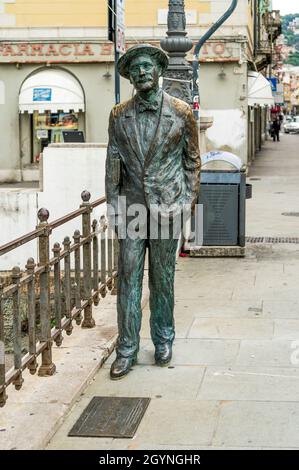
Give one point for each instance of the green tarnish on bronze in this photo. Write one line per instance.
(152, 159)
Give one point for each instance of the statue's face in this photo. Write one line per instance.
(144, 73)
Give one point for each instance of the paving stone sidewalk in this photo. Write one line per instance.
(234, 379)
(232, 382)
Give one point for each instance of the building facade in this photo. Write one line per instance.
(57, 72)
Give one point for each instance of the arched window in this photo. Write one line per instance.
(52, 106)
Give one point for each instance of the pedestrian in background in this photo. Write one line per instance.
(275, 129)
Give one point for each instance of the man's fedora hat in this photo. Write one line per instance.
(123, 63)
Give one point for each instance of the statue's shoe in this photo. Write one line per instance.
(121, 367)
(163, 354)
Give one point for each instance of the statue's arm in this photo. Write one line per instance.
(192, 162)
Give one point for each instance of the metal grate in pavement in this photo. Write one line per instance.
(111, 417)
(294, 240)
(291, 214)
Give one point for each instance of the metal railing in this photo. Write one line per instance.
(273, 19)
(264, 47)
(58, 289)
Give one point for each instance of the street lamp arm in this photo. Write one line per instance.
(195, 63)
(215, 26)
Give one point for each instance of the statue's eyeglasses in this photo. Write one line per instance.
(146, 66)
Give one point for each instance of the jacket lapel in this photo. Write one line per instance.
(164, 127)
(131, 130)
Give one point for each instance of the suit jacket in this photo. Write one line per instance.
(168, 176)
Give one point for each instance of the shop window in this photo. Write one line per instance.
(48, 129)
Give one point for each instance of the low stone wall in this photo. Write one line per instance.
(66, 171)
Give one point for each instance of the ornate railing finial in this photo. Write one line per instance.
(43, 215)
(85, 196)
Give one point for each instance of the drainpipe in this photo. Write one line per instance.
(255, 29)
(197, 49)
(258, 15)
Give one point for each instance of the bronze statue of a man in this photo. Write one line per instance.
(153, 160)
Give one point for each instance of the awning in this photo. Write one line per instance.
(259, 90)
(51, 90)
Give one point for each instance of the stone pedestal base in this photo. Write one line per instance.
(3, 397)
(47, 370)
(88, 323)
(205, 123)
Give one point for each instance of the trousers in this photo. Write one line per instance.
(276, 135)
(162, 259)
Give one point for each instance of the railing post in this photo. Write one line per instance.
(3, 396)
(30, 267)
(57, 293)
(103, 228)
(95, 253)
(88, 321)
(17, 340)
(77, 237)
(47, 367)
(68, 285)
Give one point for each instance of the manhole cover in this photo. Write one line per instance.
(291, 214)
(117, 417)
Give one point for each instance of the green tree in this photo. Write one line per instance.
(293, 59)
(291, 37)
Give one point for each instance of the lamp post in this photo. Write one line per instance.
(178, 77)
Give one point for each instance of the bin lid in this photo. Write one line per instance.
(222, 161)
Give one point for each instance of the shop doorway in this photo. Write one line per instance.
(51, 104)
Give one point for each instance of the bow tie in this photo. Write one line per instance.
(145, 106)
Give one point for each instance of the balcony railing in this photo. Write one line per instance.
(276, 18)
(273, 23)
(56, 291)
(264, 47)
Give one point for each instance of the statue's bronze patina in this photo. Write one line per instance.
(153, 160)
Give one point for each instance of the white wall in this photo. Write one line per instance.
(17, 217)
(68, 169)
(229, 132)
(226, 100)
(2, 92)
